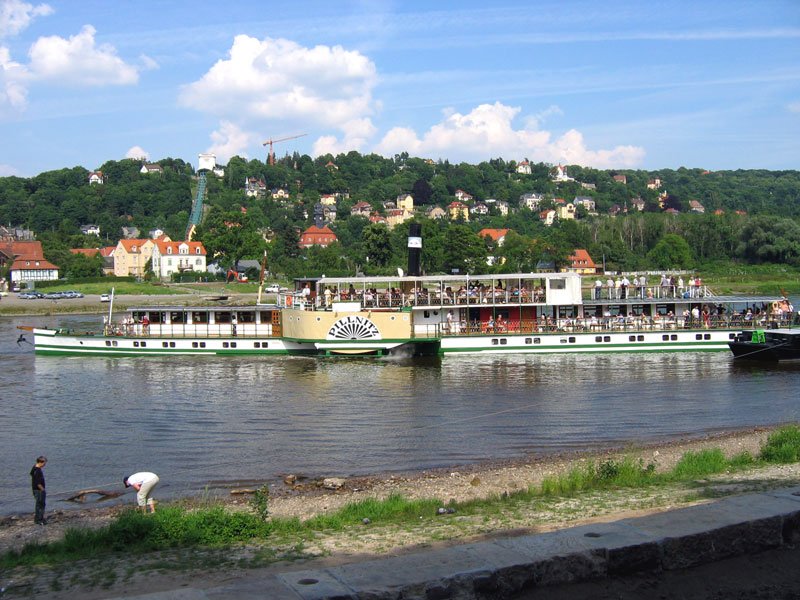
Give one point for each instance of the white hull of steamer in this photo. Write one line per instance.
(568, 343)
(54, 342)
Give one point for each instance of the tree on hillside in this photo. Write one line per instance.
(422, 192)
(771, 240)
(464, 251)
(376, 241)
(671, 252)
(518, 254)
(229, 237)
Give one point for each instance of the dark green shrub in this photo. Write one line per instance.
(782, 446)
(700, 464)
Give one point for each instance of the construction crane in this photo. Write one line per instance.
(270, 141)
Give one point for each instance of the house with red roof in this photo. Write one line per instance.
(361, 209)
(317, 236)
(498, 236)
(547, 216)
(580, 262)
(26, 262)
(89, 252)
(177, 257)
(396, 216)
(524, 167)
(463, 196)
(131, 256)
(458, 209)
(255, 188)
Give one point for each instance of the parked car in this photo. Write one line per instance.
(105, 297)
(30, 295)
(274, 288)
(54, 295)
(72, 294)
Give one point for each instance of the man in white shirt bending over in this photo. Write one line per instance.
(144, 483)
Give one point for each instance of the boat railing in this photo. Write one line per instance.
(191, 330)
(612, 325)
(646, 292)
(400, 300)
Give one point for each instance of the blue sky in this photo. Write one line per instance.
(614, 84)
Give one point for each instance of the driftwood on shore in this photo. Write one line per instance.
(102, 495)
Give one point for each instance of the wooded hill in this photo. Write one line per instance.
(751, 216)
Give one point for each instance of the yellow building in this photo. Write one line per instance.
(458, 209)
(131, 256)
(405, 202)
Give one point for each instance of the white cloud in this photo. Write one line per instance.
(230, 140)
(356, 135)
(148, 64)
(13, 94)
(137, 152)
(487, 131)
(15, 16)
(536, 121)
(8, 171)
(79, 61)
(278, 80)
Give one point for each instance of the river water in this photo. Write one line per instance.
(205, 423)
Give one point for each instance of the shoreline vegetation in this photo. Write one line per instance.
(95, 548)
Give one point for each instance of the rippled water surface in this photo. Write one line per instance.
(208, 421)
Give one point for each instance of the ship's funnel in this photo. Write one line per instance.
(414, 249)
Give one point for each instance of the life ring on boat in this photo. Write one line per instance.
(288, 300)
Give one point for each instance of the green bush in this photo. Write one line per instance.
(174, 526)
(700, 464)
(260, 502)
(782, 446)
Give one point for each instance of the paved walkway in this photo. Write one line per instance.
(504, 567)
